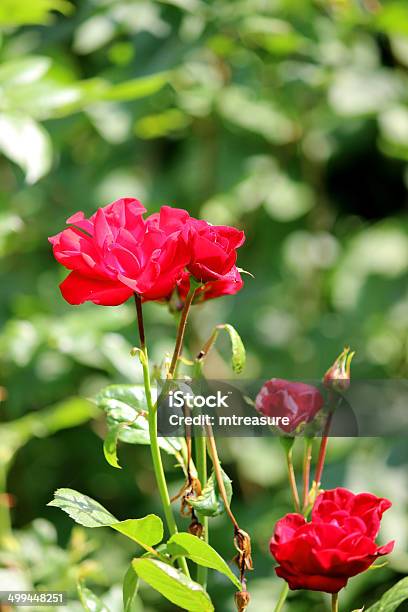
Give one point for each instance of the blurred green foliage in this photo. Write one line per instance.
(288, 118)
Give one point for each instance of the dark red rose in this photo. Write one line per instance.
(213, 250)
(295, 400)
(116, 252)
(338, 543)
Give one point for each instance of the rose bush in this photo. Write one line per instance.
(116, 252)
(297, 401)
(338, 543)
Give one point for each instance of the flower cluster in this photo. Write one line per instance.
(338, 543)
(118, 252)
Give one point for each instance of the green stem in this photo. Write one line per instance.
(307, 458)
(335, 602)
(154, 443)
(218, 475)
(322, 451)
(282, 598)
(182, 328)
(201, 465)
(5, 521)
(292, 480)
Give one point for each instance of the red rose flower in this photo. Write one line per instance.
(116, 252)
(337, 544)
(295, 400)
(213, 250)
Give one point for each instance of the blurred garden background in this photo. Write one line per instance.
(287, 118)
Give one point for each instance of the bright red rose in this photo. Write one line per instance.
(337, 544)
(116, 252)
(213, 250)
(295, 400)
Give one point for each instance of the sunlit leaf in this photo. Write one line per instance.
(146, 531)
(173, 585)
(24, 70)
(188, 545)
(82, 509)
(125, 405)
(110, 446)
(240, 106)
(93, 33)
(27, 144)
(238, 349)
(85, 511)
(21, 12)
(90, 602)
(392, 599)
(130, 588)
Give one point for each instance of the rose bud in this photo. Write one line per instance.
(297, 401)
(338, 376)
(242, 600)
(338, 542)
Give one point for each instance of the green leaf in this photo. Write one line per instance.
(123, 400)
(124, 405)
(188, 545)
(130, 588)
(238, 349)
(84, 510)
(22, 71)
(26, 143)
(173, 585)
(101, 90)
(392, 598)
(110, 444)
(90, 602)
(146, 531)
(18, 12)
(210, 502)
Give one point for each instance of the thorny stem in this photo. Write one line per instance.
(335, 602)
(292, 480)
(154, 443)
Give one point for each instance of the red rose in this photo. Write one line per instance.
(337, 544)
(295, 400)
(213, 250)
(116, 252)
